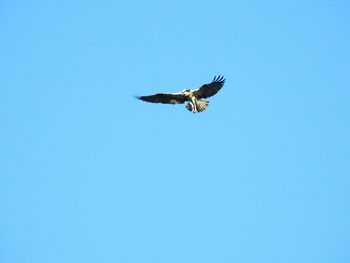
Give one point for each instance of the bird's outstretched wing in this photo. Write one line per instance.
(210, 89)
(168, 98)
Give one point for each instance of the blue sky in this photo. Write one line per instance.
(89, 174)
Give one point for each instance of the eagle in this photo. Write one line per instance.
(194, 97)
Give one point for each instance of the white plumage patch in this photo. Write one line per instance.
(200, 104)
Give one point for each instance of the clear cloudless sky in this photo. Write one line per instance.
(90, 174)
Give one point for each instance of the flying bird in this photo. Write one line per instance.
(193, 97)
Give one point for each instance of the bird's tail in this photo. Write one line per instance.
(201, 105)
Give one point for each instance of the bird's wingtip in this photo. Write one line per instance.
(219, 78)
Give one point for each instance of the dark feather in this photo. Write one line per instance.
(168, 98)
(210, 89)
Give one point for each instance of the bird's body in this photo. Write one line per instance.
(193, 97)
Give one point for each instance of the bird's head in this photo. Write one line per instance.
(186, 92)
